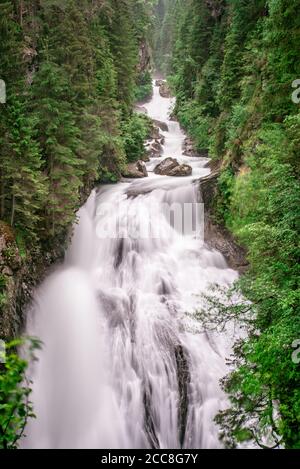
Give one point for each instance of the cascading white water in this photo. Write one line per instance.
(124, 364)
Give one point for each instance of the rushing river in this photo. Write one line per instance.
(124, 363)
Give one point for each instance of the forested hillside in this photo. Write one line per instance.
(69, 98)
(73, 70)
(232, 65)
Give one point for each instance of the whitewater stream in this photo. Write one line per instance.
(124, 363)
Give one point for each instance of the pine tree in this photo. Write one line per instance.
(23, 186)
(59, 140)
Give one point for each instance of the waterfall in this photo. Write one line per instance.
(124, 363)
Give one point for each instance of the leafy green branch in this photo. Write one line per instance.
(15, 389)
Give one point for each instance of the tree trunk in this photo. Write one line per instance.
(2, 196)
(21, 11)
(12, 219)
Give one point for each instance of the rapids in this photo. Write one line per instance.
(124, 363)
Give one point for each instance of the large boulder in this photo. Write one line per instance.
(165, 91)
(161, 125)
(167, 165)
(159, 82)
(171, 167)
(181, 170)
(136, 170)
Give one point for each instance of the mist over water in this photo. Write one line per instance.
(124, 363)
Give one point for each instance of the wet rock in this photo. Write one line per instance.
(142, 168)
(136, 170)
(161, 125)
(144, 64)
(159, 82)
(190, 150)
(217, 236)
(207, 165)
(183, 379)
(173, 117)
(166, 166)
(154, 133)
(181, 170)
(171, 167)
(146, 158)
(154, 149)
(164, 90)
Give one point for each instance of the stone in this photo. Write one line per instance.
(154, 149)
(171, 167)
(188, 149)
(146, 158)
(166, 166)
(161, 125)
(165, 91)
(136, 170)
(181, 170)
(154, 133)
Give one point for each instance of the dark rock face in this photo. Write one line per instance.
(144, 64)
(146, 158)
(159, 82)
(19, 275)
(190, 150)
(171, 167)
(164, 90)
(154, 133)
(155, 140)
(136, 170)
(142, 168)
(183, 377)
(216, 7)
(10, 264)
(154, 149)
(217, 236)
(161, 125)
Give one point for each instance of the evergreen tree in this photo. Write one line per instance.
(233, 68)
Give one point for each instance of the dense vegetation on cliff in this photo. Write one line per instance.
(232, 65)
(69, 99)
(73, 70)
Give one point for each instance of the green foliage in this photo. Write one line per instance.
(15, 406)
(71, 74)
(143, 87)
(234, 98)
(198, 124)
(2, 291)
(135, 131)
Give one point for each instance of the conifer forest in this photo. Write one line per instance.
(149, 225)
